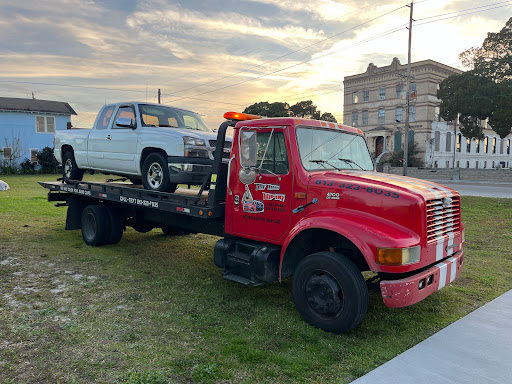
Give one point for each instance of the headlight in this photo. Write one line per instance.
(194, 147)
(398, 256)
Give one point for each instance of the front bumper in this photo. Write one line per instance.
(413, 289)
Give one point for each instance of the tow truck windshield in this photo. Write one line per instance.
(322, 149)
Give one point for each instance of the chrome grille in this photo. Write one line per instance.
(443, 217)
(213, 144)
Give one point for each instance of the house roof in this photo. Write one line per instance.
(35, 105)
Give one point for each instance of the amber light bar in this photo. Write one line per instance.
(240, 116)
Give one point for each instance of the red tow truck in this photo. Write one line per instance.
(297, 198)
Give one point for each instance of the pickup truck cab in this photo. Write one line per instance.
(153, 144)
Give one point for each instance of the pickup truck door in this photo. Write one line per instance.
(262, 209)
(115, 149)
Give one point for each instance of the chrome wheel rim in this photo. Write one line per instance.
(155, 175)
(68, 167)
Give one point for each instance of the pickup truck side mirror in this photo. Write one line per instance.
(125, 122)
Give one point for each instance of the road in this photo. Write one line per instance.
(478, 188)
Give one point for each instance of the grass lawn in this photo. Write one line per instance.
(155, 309)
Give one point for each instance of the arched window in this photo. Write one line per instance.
(486, 144)
(493, 146)
(437, 141)
(411, 138)
(459, 141)
(477, 145)
(448, 141)
(398, 141)
(468, 147)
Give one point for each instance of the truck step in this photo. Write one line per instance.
(241, 279)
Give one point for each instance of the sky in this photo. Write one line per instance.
(212, 56)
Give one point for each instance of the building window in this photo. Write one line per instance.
(355, 118)
(412, 113)
(467, 164)
(413, 90)
(458, 164)
(7, 153)
(448, 142)
(447, 164)
(366, 95)
(493, 145)
(365, 117)
(437, 141)
(33, 154)
(477, 145)
(399, 90)
(476, 166)
(381, 117)
(437, 112)
(382, 93)
(493, 164)
(399, 111)
(485, 164)
(468, 146)
(355, 97)
(459, 138)
(486, 144)
(398, 141)
(435, 164)
(411, 138)
(501, 146)
(508, 147)
(45, 124)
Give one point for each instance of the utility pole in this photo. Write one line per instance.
(406, 139)
(159, 94)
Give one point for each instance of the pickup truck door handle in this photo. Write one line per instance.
(108, 137)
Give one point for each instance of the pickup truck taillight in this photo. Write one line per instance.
(194, 147)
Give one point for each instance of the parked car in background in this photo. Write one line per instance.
(153, 144)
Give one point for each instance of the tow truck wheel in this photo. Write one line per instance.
(116, 226)
(330, 292)
(95, 225)
(155, 174)
(70, 170)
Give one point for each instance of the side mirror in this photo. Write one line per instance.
(125, 122)
(248, 149)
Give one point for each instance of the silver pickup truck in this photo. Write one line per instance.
(156, 145)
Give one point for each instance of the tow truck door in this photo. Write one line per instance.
(261, 208)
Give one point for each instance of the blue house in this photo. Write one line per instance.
(28, 125)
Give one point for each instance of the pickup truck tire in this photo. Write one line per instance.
(155, 174)
(95, 225)
(330, 292)
(116, 226)
(70, 170)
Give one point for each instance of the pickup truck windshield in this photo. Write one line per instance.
(322, 149)
(162, 116)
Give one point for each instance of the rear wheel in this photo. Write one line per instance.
(95, 225)
(155, 174)
(116, 226)
(70, 170)
(330, 292)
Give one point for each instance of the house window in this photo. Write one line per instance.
(381, 117)
(468, 146)
(33, 154)
(355, 97)
(7, 152)
(493, 145)
(477, 145)
(45, 124)
(399, 90)
(399, 111)
(448, 142)
(382, 93)
(412, 113)
(437, 141)
(365, 117)
(398, 141)
(459, 138)
(366, 95)
(355, 118)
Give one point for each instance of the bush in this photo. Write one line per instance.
(8, 170)
(27, 166)
(397, 158)
(47, 160)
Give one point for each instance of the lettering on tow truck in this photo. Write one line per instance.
(357, 187)
(333, 196)
(268, 187)
(141, 202)
(274, 196)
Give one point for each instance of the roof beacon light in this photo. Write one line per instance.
(240, 116)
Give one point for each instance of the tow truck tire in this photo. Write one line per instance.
(95, 225)
(116, 226)
(330, 292)
(70, 170)
(155, 174)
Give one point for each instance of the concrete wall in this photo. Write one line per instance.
(492, 175)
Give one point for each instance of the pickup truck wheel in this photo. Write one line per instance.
(330, 292)
(95, 225)
(116, 226)
(155, 174)
(70, 170)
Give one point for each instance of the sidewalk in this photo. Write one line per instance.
(474, 349)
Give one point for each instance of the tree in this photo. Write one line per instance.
(485, 91)
(304, 109)
(17, 150)
(396, 159)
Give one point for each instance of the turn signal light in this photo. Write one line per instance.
(398, 256)
(240, 116)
